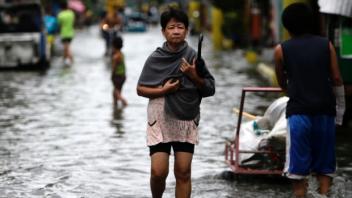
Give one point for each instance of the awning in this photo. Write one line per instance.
(338, 7)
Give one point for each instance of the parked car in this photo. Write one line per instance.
(22, 35)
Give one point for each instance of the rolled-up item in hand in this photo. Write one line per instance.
(339, 92)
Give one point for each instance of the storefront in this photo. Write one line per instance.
(338, 27)
(337, 17)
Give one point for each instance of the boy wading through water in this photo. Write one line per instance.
(175, 85)
(118, 72)
(306, 68)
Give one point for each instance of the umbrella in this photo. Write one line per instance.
(76, 5)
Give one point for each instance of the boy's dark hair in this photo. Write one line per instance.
(172, 13)
(117, 42)
(297, 18)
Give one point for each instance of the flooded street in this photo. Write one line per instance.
(59, 135)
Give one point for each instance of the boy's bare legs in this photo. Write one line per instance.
(159, 172)
(299, 187)
(118, 96)
(324, 184)
(182, 171)
(115, 98)
(67, 52)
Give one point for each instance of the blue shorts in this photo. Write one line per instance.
(310, 146)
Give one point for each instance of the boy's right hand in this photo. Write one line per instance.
(171, 85)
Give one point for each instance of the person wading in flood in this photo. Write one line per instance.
(306, 67)
(66, 20)
(109, 27)
(175, 85)
(118, 72)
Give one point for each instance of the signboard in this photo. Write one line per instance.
(346, 39)
(345, 51)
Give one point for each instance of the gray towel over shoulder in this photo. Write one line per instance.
(164, 64)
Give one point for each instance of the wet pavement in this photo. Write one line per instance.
(60, 137)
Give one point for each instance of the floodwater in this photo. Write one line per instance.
(60, 137)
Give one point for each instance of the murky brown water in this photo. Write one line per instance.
(59, 136)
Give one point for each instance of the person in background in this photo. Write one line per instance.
(307, 69)
(110, 24)
(118, 71)
(66, 21)
(51, 26)
(175, 85)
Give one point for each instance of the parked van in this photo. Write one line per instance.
(22, 35)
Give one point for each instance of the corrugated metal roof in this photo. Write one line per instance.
(339, 7)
